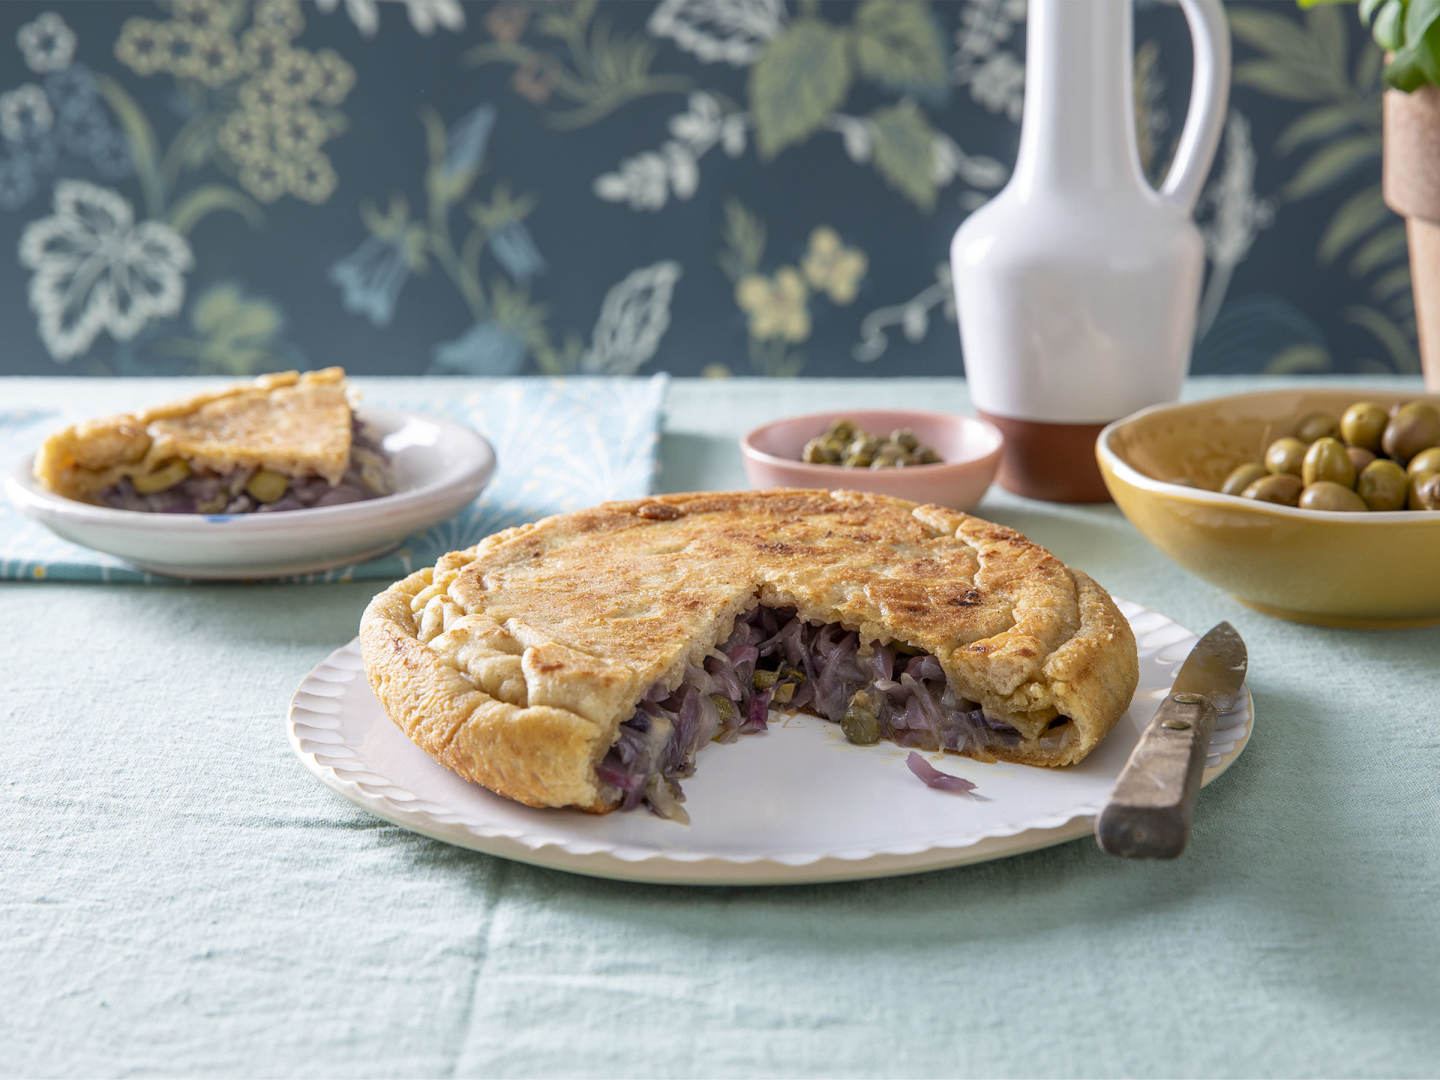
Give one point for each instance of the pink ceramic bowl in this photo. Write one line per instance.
(970, 448)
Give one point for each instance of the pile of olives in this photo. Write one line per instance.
(1370, 459)
(846, 443)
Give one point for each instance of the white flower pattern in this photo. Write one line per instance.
(25, 112)
(46, 43)
(96, 270)
(425, 15)
(984, 62)
(647, 180)
(633, 319)
(732, 31)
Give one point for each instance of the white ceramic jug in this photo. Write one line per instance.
(1076, 286)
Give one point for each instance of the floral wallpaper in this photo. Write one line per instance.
(698, 186)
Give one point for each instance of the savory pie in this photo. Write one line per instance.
(583, 660)
(284, 442)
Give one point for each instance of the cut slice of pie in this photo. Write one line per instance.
(585, 659)
(284, 442)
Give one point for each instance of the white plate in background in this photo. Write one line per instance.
(440, 467)
(795, 804)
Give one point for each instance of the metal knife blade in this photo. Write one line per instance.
(1150, 810)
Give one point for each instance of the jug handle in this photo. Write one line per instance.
(1209, 94)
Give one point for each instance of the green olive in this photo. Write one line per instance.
(906, 438)
(927, 456)
(1316, 425)
(1359, 458)
(1326, 460)
(1241, 477)
(1427, 493)
(167, 476)
(1382, 485)
(790, 679)
(267, 486)
(861, 722)
(1286, 455)
(843, 429)
(1327, 495)
(1412, 498)
(1414, 426)
(1363, 424)
(1425, 461)
(1282, 488)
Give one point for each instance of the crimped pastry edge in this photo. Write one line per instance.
(546, 756)
(54, 466)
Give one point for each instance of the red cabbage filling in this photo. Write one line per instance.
(206, 492)
(775, 658)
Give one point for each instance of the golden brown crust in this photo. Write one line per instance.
(514, 662)
(294, 424)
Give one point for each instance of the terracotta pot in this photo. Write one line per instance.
(1412, 189)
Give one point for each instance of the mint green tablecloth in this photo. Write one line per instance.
(178, 896)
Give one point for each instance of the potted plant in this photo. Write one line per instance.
(1409, 32)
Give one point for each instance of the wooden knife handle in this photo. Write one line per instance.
(1150, 810)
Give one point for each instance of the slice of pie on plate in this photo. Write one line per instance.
(583, 660)
(286, 441)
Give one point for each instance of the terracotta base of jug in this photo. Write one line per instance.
(1054, 462)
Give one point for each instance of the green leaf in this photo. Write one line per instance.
(1396, 341)
(897, 44)
(1298, 359)
(1404, 73)
(202, 200)
(1393, 283)
(1275, 35)
(227, 316)
(1367, 72)
(1327, 30)
(1417, 62)
(1358, 215)
(744, 241)
(1388, 29)
(904, 151)
(1324, 122)
(1302, 61)
(1429, 50)
(1332, 163)
(1281, 80)
(141, 137)
(802, 76)
(1367, 9)
(1420, 15)
(1385, 246)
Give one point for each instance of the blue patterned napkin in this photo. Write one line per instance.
(561, 444)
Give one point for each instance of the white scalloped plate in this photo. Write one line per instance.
(795, 804)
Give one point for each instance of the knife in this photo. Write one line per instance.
(1149, 813)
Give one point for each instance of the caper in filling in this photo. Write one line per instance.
(773, 657)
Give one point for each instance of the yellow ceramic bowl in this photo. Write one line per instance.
(1325, 567)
